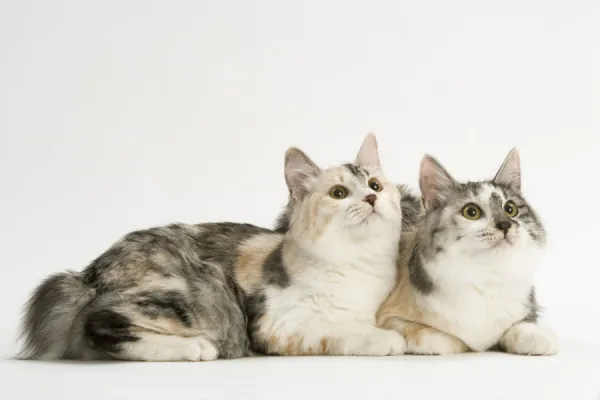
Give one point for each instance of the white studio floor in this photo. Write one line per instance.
(573, 374)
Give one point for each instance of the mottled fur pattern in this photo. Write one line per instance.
(226, 290)
(466, 281)
(175, 281)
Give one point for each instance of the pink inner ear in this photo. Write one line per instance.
(428, 183)
(298, 167)
(434, 179)
(430, 194)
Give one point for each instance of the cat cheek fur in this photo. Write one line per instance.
(388, 205)
(475, 235)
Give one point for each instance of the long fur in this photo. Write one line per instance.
(50, 313)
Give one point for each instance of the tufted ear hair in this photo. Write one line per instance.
(434, 181)
(299, 171)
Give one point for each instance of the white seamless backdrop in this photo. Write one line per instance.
(121, 115)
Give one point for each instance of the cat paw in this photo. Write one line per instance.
(199, 349)
(384, 343)
(208, 351)
(379, 343)
(530, 339)
(433, 342)
(397, 343)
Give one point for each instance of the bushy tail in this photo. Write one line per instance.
(50, 314)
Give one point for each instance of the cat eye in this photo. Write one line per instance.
(471, 211)
(375, 185)
(338, 192)
(511, 209)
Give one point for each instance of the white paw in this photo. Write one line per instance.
(191, 351)
(208, 351)
(434, 342)
(530, 339)
(380, 343)
(197, 349)
(396, 342)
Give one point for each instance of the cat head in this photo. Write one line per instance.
(478, 217)
(354, 199)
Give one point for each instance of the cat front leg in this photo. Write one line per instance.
(422, 339)
(339, 339)
(528, 338)
(368, 340)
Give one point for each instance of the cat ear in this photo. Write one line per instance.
(368, 155)
(434, 181)
(509, 173)
(299, 170)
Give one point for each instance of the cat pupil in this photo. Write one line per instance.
(472, 212)
(374, 186)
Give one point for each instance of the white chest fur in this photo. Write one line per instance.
(478, 298)
(349, 287)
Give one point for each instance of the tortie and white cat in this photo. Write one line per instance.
(355, 266)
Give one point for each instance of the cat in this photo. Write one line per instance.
(228, 290)
(467, 265)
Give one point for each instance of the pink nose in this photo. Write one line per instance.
(370, 199)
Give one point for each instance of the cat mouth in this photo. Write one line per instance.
(373, 214)
(500, 242)
(369, 217)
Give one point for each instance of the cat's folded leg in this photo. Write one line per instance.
(422, 339)
(528, 338)
(339, 339)
(152, 346)
(124, 331)
(364, 339)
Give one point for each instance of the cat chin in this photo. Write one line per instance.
(512, 242)
(371, 217)
(503, 243)
(372, 226)
(377, 220)
(512, 249)
(502, 247)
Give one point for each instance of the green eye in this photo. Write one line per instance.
(471, 211)
(511, 209)
(375, 185)
(338, 192)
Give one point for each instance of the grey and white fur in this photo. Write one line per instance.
(156, 289)
(467, 266)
